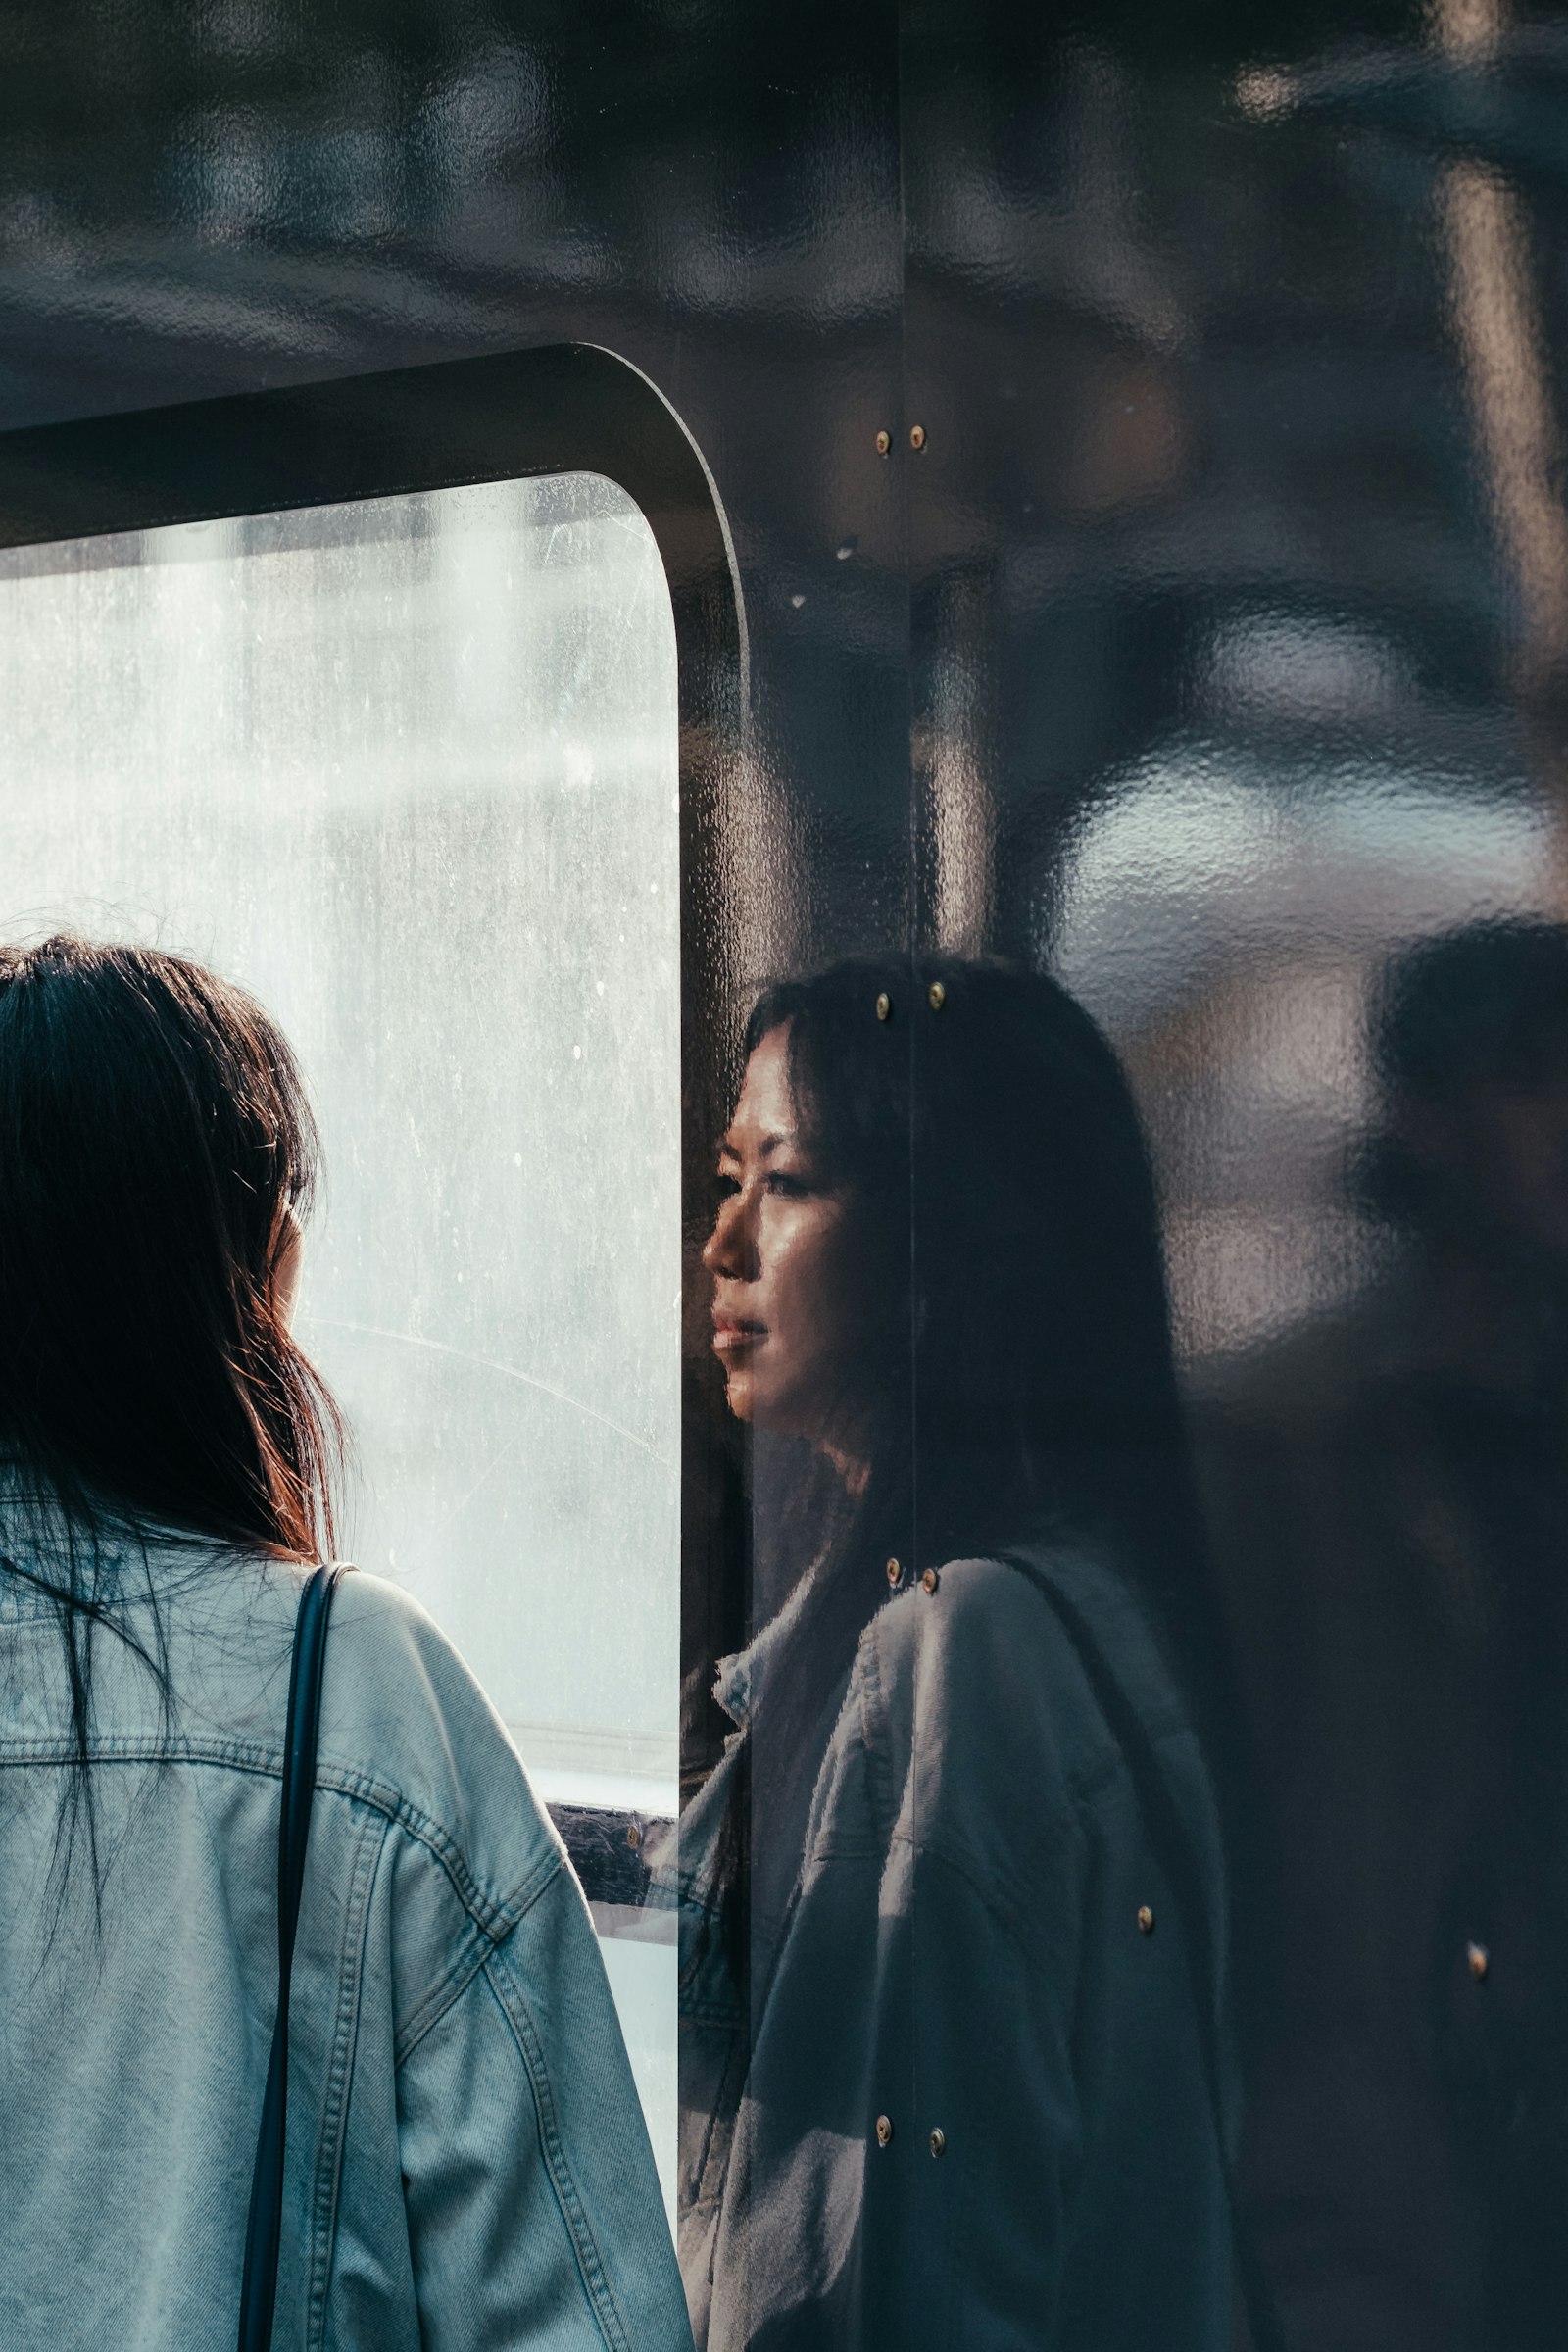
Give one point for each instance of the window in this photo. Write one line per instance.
(407, 766)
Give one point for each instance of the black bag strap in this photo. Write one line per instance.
(1171, 1841)
(258, 2288)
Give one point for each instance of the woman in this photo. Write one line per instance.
(954, 1939)
(466, 2163)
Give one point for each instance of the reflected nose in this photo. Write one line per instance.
(730, 1248)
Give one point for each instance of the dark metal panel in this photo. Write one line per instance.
(1237, 559)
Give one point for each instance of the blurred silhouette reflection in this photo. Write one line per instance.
(954, 1937)
(1390, 1510)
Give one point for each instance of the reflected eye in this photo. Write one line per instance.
(728, 1184)
(786, 1187)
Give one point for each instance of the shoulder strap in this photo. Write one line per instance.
(258, 2288)
(1172, 1843)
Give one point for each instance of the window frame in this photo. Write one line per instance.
(565, 408)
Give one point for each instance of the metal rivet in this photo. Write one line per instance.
(930, 1581)
(894, 1572)
(1146, 1920)
(884, 2131)
(1480, 1960)
(884, 442)
(634, 1833)
(936, 996)
(939, 2141)
(917, 436)
(884, 1007)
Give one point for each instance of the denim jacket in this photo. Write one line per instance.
(964, 2098)
(467, 2161)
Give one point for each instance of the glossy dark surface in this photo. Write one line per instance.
(1212, 650)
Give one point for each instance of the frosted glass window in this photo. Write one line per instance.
(408, 769)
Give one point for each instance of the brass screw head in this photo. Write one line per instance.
(1480, 1960)
(917, 436)
(884, 442)
(936, 996)
(884, 2131)
(930, 1581)
(884, 1007)
(894, 1572)
(939, 2141)
(1146, 1920)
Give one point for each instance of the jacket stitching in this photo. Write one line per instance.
(1001, 1903)
(876, 1740)
(596, 2285)
(495, 1918)
(333, 2135)
(442, 1997)
(710, 2168)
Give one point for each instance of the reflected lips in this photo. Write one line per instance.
(732, 1332)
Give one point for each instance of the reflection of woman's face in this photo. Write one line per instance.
(782, 1255)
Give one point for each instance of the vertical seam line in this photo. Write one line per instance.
(335, 2100)
(591, 2270)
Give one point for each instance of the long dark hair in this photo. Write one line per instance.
(1025, 1384)
(154, 1138)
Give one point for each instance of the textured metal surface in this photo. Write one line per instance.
(1139, 432)
(607, 1851)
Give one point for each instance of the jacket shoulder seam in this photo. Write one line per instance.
(450, 1987)
(496, 1917)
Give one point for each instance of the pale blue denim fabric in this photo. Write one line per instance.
(467, 2163)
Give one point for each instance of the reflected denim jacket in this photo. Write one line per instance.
(466, 2160)
(962, 1957)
